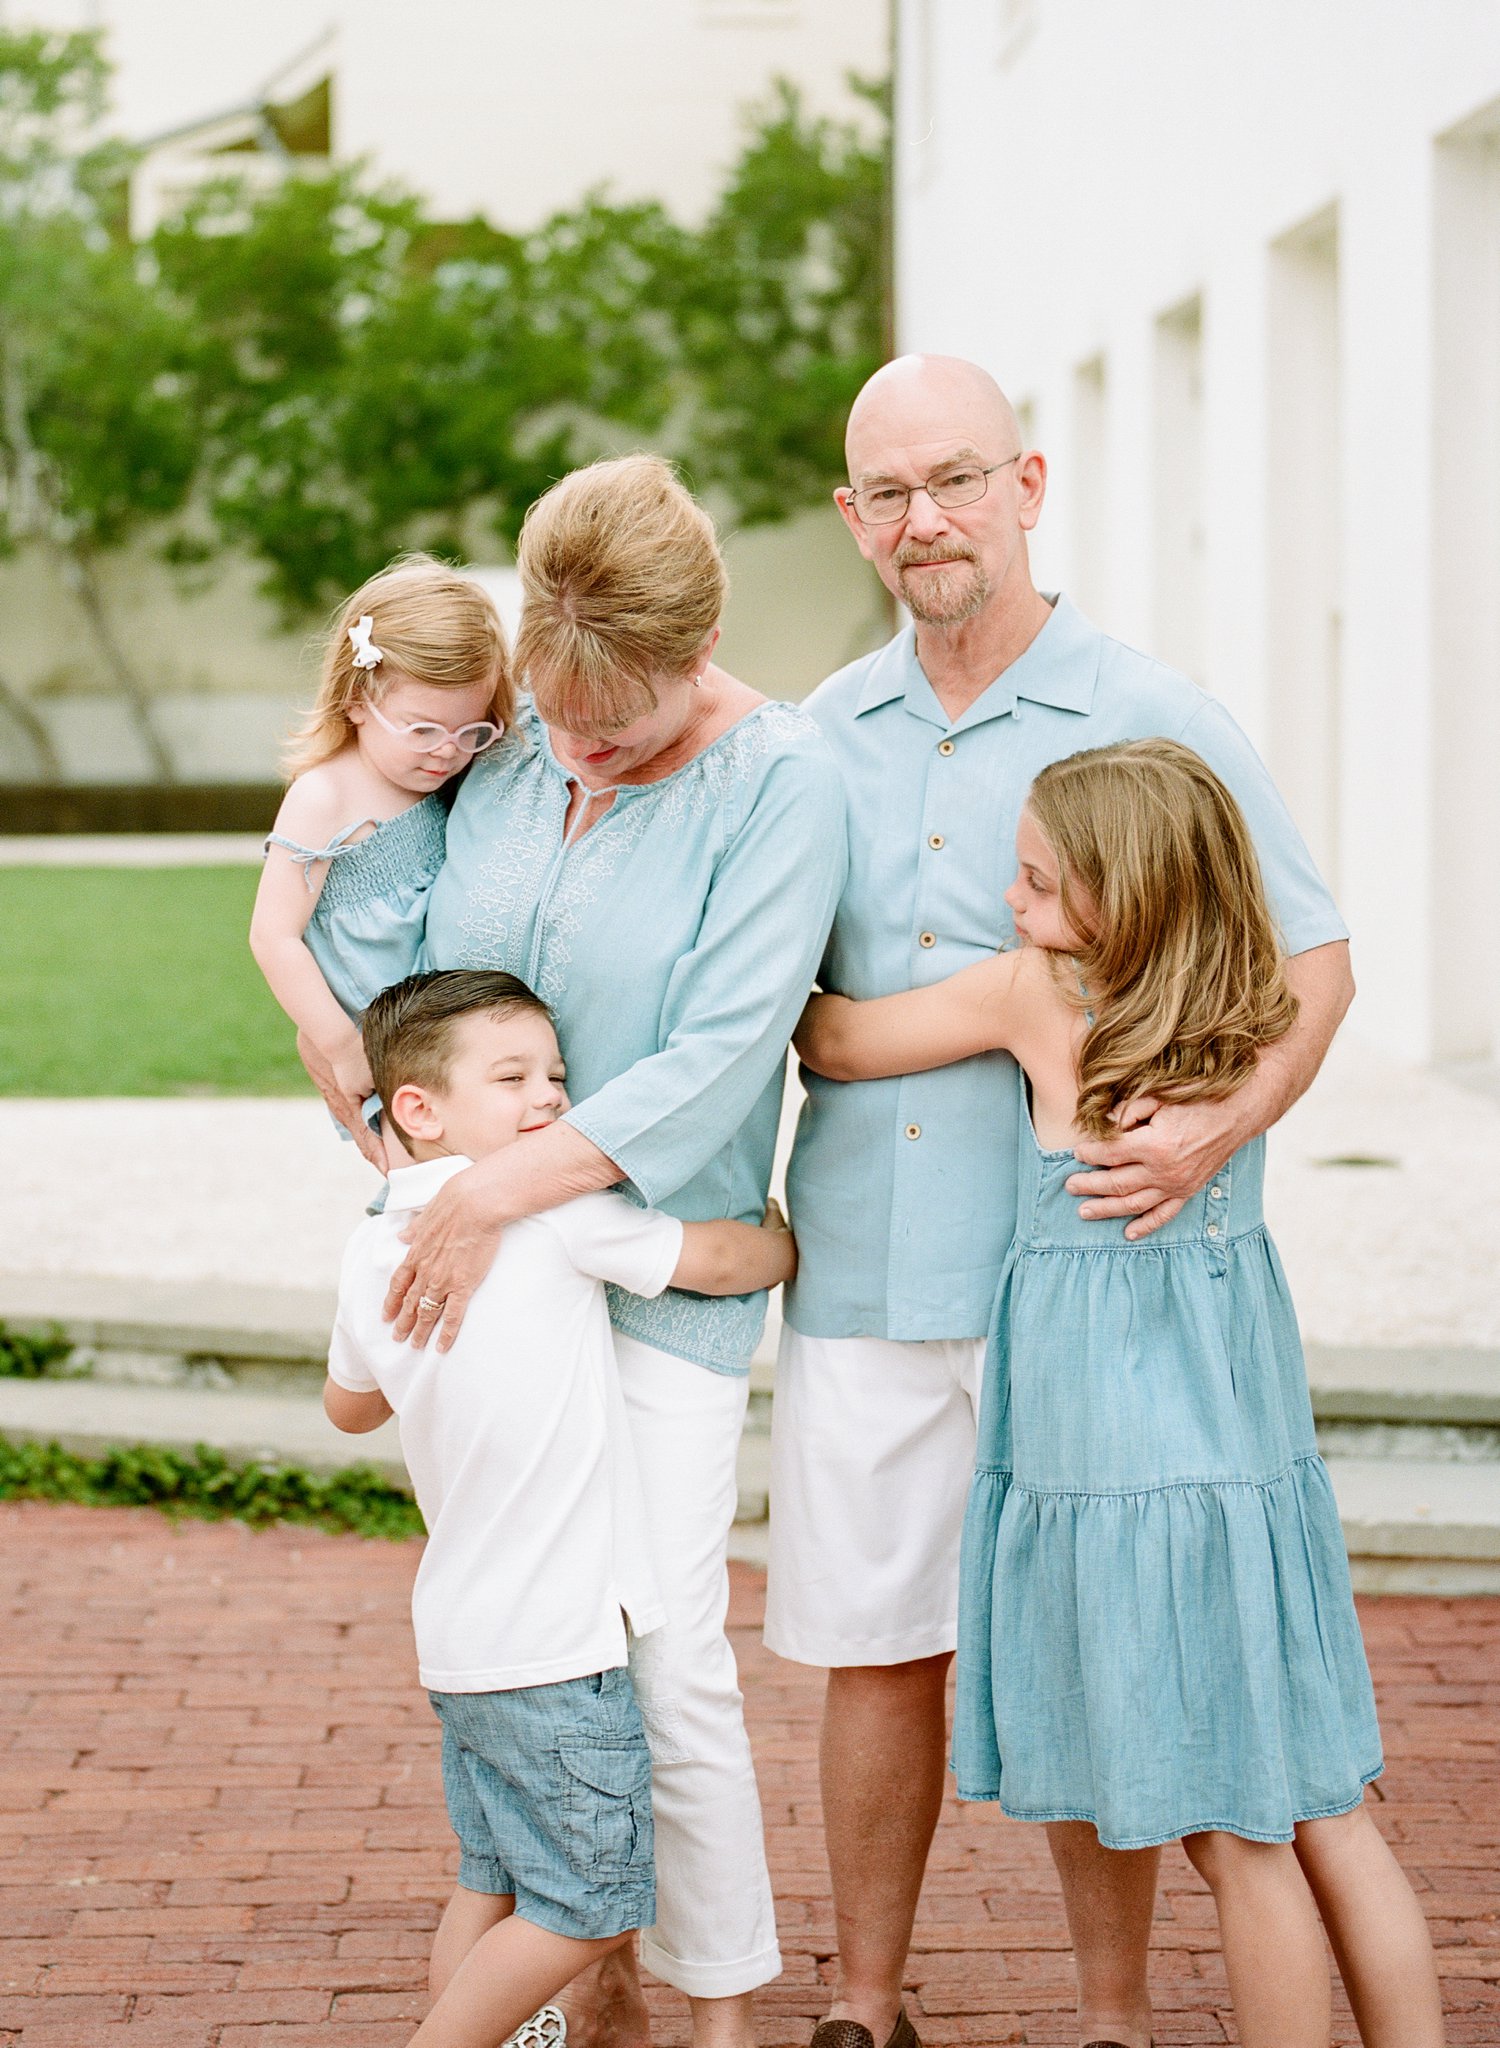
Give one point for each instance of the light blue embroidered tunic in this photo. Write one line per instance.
(1156, 1629)
(904, 1191)
(366, 929)
(676, 941)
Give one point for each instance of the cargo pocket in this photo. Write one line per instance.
(607, 1806)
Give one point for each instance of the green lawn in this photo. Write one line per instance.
(136, 981)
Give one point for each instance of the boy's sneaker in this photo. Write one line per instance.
(545, 2029)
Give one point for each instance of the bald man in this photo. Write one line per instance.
(903, 1191)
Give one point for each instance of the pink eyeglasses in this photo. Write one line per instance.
(426, 739)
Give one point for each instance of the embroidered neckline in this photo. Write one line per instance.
(532, 716)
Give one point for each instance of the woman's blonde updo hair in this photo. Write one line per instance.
(622, 582)
(1181, 965)
(432, 625)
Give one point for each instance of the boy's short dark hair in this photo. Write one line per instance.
(408, 1029)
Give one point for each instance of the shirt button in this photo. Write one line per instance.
(936, 842)
(926, 938)
(913, 1130)
(1216, 1194)
(1213, 1229)
(945, 746)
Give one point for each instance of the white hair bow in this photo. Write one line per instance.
(366, 653)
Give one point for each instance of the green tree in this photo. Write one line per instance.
(787, 313)
(94, 440)
(365, 379)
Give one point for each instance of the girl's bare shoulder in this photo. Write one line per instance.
(1041, 991)
(319, 802)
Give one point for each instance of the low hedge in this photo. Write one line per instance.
(206, 1485)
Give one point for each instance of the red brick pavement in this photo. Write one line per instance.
(221, 1826)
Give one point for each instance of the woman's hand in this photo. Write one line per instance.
(453, 1245)
(345, 1105)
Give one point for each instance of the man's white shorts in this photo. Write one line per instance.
(872, 1450)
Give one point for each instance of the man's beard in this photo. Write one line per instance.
(941, 598)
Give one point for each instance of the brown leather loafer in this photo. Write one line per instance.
(850, 2034)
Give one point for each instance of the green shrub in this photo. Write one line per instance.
(24, 1356)
(205, 1484)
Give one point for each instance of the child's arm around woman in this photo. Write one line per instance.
(984, 1008)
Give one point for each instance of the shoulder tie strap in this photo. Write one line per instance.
(341, 843)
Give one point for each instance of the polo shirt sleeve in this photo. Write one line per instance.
(348, 1366)
(1305, 912)
(735, 996)
(348, 1360)
(608, 1238)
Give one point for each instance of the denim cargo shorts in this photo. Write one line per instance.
(549, 1792)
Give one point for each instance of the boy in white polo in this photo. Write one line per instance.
(536, 1560)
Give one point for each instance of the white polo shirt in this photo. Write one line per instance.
(516, 1439)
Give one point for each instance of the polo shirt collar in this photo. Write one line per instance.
(1059, 668)
(413, 1187)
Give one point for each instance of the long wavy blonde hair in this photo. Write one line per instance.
(432, 625)
(1180, 964)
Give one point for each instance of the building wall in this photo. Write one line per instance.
(1241, 264)
(495, 106)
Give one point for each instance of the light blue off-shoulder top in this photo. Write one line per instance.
(366, 931)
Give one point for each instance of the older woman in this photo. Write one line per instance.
(657, 850)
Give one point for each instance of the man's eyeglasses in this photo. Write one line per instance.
(426, 739)
(964, 484)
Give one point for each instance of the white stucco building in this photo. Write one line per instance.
(494, 107)
(1240, 267)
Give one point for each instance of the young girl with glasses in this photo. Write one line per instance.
(1157, 1637)
(415, 682)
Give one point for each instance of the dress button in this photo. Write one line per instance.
(926, 938)
(1213, 1229)
(1216, 1194)
(913, 1130)
(945, 746)
(936, 842)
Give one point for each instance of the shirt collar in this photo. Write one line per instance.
(413, 1187)
(1059, 668)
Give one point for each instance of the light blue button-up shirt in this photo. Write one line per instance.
(676, 941)
(903, 1191)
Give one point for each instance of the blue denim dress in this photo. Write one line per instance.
(366, 931)
(1156, 1628)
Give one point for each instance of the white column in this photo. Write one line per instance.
(1384, 795)
(1465, 906)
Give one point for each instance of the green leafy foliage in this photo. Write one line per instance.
(320, 374)
(93, 435)
(788, 316)
(26, 1356)
(206, 1485)
(94, 439)
(365, 379)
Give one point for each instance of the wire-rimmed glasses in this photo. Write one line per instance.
(959, 483)
(426, 738)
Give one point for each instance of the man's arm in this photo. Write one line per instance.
(1156, 1167)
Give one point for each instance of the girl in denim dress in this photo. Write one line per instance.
(415, 683)
(1157, 1634)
